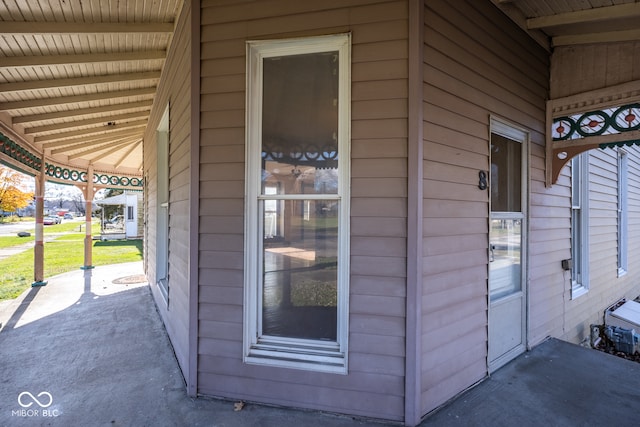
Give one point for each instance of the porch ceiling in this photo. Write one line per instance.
(571, 22)
(78, 77)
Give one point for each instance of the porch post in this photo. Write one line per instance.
(38, 252)
(88, 239)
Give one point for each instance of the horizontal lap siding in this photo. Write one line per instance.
(605, 287)
(477, 63)
(174, 89)
(578, 69)
(374, 385)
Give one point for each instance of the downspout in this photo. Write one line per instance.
(88, 238)
(413, 328)
(38, 251)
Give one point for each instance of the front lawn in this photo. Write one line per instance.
(60, 256)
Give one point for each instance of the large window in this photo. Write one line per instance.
(297, 255)
(162, 207)
(622, 213)
(580, 225)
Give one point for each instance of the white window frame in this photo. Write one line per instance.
(315, 355)
(162, 206)
(580, 225)
(623, 212)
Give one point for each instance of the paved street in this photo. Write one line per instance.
(11, 228)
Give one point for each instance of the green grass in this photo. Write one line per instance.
(8, 241)
(60, 256)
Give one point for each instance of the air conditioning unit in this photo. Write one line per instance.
(625, 316)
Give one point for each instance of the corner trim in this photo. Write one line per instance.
(413, 328)
(194, 169)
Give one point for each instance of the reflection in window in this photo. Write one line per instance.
(297, 203)
(506, 184)
(300, 123)
(505, 257)
(300, 270)
(579, 225)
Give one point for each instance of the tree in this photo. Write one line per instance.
(11, 197)
(78, 202)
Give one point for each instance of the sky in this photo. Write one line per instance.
(53, 191)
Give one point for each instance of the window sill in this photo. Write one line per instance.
(622, 272)
(163, 286)
(309, 358)
(578, 291)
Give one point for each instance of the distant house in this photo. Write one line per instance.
(129, 219)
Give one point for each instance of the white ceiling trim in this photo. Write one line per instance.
(24, 27)
(598, 14)
(78, 81)
(46, 60)
(146, 104)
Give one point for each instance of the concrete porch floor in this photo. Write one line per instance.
(95, 353)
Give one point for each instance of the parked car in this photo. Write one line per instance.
(68, 216)
(51, 219)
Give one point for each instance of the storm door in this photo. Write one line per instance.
(507, 238)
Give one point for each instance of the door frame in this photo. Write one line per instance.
(514, 132)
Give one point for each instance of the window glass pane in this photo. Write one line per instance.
(576, 246)
(506, 174)
(575, 182)
(505, 260)
(300, 123)
(300, 252)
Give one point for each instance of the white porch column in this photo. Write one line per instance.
(88, 239)
(38, 258)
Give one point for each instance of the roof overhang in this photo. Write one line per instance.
(78, 80)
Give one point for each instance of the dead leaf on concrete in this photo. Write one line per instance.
(238, 406)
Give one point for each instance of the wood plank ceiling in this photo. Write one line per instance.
(78, 77)
(556, 23)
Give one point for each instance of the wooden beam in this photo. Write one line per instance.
(96, 138)
(88, 122)
(77, 81)
(585, 16)
(24, 27)
(115, 149)
(45, 60)
(90, 131)
(115, 146)
(515, 14)
(75, 99)
(146, 104)
(75, 147)
(597, 99)
(604, 37)
(127, 154)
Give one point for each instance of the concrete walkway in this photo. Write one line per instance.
(91, 349)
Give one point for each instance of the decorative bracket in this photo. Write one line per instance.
(601, 118)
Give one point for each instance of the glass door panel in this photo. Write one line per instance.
(505, 258)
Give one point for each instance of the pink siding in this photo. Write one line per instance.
(374, 385)
(175, 91)
(575, 70)
(477, 63)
